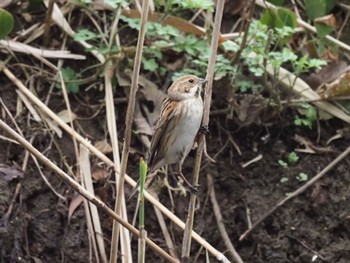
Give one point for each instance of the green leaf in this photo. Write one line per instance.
(317, 63)
(283, 163)
(149, 64)
(6, 22)
(293, 157)
(323, 30)
(69, 77)
(68, 73)
(317, 8)
(85, 34)
(287, 16)
(133, 23)
(302, 177)
(277, 2)
(284, 180)
(195, 4)
(143, 174)
(279, 17)
(298, 121)
(311, 113)
(230, 46)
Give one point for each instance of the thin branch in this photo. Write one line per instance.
(125, 244)
(298, 191)
(186, 243)
(128, 123)
(221, 226)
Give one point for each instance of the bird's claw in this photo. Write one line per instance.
(193, 188)
(204, 130)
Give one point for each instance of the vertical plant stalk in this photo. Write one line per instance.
(125, 244)
(91, 213)
(48, 22)
(128, 126)
(186, 242)
(143, 233)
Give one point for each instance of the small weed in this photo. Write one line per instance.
(293, 157)
(69, 77)
(283, 163)
(310, 115)
(302, 177)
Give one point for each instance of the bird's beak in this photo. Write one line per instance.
(202, 81)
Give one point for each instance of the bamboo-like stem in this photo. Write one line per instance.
(77, 187)
(186, 243)
(128, 125)
(143, 233)
(125, 244)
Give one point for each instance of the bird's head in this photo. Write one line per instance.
(186, 87)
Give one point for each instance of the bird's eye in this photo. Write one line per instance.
(191, 80)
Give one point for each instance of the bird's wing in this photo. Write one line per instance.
(168, 111)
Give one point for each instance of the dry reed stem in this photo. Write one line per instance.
(92, 212)
(219, 221)
(128, 126)
(125, 244)
(186, 243)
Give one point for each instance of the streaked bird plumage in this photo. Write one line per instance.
(178, 124)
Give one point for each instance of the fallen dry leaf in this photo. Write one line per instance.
(103, 146)
(74, 204)
(9, 173)
(327, 74)
(99, 174)
(66, 116)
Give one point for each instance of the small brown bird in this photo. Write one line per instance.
(178, 125)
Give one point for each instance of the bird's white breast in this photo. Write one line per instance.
(186, 129)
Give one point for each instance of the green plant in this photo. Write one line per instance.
(261, 40)
(178, 5)
(70, 79)
(302, 177)
(257, 51)
(310, 115)
(6, 22)
(293, 157)
(85, 34)
(282, 163)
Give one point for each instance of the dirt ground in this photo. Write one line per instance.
(313, 227)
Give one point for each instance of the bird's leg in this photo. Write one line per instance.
(193, 189)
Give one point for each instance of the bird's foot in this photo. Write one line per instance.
(204, 130)
(192, 188)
